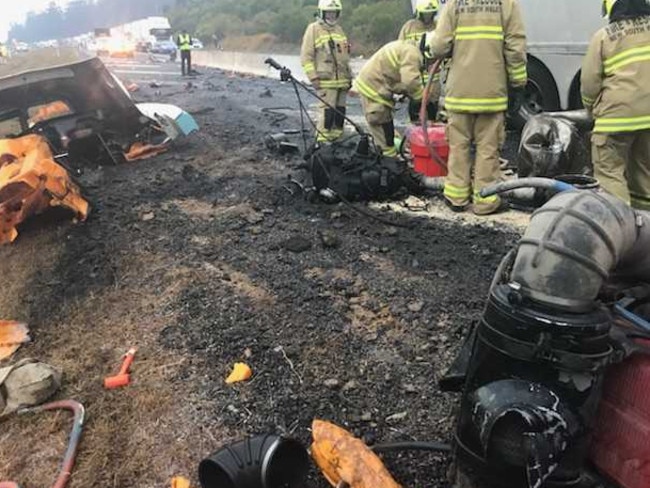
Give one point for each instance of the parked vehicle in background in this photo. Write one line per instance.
(101, 41)
(121, 47)
(196, 43)
(20, 47)
(558, 34)
(166, 47)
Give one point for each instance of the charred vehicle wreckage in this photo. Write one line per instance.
(553, 377)
(57, 120)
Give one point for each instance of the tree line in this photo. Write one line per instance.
(83, 16)
(368, 23)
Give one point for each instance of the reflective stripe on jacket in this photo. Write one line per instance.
(487, 44)
(414, 29)
(325, 55)
(393, 70)
(615, 81)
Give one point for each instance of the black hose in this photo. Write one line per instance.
(412, 446)
(287, 72)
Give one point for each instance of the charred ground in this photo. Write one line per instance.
(192, 256)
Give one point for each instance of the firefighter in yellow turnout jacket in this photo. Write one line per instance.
(413, 30)
(616, 88)
(487, 43)
(393, 70)
(424, 21)
(325, 58)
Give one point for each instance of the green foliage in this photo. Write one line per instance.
(368, 23)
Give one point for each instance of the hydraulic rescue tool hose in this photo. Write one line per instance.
(426, 95)
(544, 183)
(631, 317)
(71, 453)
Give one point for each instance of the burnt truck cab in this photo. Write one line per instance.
(81, 108)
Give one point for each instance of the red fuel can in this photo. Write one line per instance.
(422, 161)
(621, 438)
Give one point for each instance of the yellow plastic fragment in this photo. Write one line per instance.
(240, 372)
(180, 482)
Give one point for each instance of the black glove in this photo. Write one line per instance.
(414, 110)
(432, 111)
(285, 74)
(517, 100)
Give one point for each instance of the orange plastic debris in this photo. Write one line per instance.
(142, 151)
(240, 372)
(50, 111)
(12, 336)
(180, 482)
(30, 181)
(344, 458)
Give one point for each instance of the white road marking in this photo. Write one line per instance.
(142, 72)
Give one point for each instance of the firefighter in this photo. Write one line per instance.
(325, 59)
(487, 44)
(392, 71)
(184, 43)
(413, 30)
(424, 21)
(615, 87)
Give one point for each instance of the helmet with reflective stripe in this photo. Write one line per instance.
(427, 7)
(330, 5)
(608, 5)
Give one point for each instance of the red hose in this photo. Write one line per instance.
(71, 453)
(435, 67)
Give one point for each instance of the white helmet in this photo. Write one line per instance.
(329, 6)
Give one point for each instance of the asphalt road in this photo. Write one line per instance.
(146, 68)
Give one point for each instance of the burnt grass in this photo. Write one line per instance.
(358, 334)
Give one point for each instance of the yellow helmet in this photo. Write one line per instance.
(427, 7)
(608, 5)
(330, 5)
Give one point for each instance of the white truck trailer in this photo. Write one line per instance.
(558, 34)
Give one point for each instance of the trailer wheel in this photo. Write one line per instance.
(541, 95)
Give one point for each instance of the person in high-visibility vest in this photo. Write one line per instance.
(615, 88)
(184, 43)
(325, 59)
